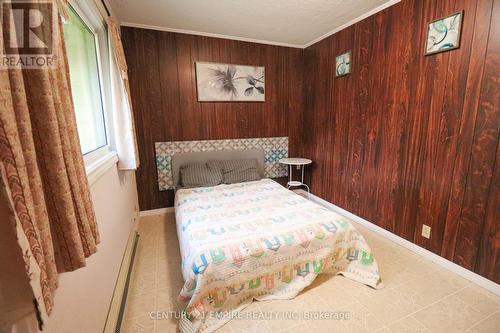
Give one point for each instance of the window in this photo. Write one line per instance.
(82, 47)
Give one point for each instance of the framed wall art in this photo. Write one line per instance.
(343, 64)
(444, 34)
(229, 83)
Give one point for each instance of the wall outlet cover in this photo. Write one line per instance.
(426, 231)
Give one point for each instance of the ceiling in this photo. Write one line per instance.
(296, 23)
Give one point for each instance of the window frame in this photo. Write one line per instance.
(99, 160)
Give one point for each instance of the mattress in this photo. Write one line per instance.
(258, 241)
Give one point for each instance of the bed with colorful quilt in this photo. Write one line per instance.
(258, 241)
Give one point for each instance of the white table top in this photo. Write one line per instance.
(295, 161)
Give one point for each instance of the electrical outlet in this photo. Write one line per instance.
(426, 231)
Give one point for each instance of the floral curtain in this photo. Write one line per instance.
(43, 180)
(62, 9)
(126, 142)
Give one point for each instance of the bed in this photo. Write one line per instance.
(257, 241)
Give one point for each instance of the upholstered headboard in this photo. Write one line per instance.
(275, 148)
(180, 159)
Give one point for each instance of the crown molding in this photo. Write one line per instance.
(352, 22)
(209, 34)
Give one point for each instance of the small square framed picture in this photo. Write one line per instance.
(343, 64)
(444, 34)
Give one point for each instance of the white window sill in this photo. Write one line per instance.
(98, 167)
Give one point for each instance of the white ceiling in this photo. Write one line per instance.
(297, 23)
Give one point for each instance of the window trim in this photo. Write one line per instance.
(100, 164)
(98, 161)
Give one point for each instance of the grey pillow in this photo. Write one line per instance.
(200, 175)
(239, 171)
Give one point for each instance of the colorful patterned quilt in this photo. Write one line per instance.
(258, 240)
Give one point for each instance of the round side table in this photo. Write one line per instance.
(302, 162)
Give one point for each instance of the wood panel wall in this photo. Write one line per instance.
(162, 82)
(409, 139)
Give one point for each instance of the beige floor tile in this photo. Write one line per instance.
(167, 280)
(362, 319)
(449, 315)
(169, 250)
(404, 270)
(357, 290)
(145, 261)
(166, 300)
(168, 229)
(408, 325)
(352, 317)
(225, 329)
(393, 252)
(133, 327)
(167, 314)
(477, 298)
(390, 305)
(147, 229)
(137, 312)
(248, 321)
(419, 296)
(374, 241)
(310, 299)
(150, 234)
(333, 294)
(151, 219)
(142, 283)
(163, 326)
(249, 326)
(490, 324)
(140, 305)
(283, 314)
(301, 328)
(145, 254)
(430, 288)
(168, 275)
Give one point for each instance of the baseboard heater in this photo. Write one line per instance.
(119, 301)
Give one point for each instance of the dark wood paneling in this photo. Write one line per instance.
(467, 127)
(483, 155)
(409, 139)
(404, 140)
(488, 258)
(162, 81)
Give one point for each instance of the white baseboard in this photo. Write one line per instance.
(156, 211)
(445, 263)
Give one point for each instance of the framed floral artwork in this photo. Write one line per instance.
(227, 83)
(343, 64)
(444, 34)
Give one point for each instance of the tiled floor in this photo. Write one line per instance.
(419, 296)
